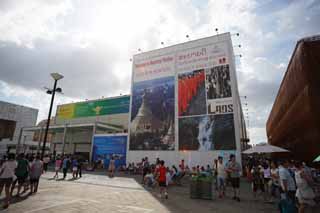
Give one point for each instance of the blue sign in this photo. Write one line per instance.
(105, 147)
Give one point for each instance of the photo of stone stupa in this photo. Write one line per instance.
(152, 115)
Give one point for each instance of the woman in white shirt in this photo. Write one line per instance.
(6, 177)
(304, 192)
(267, 178)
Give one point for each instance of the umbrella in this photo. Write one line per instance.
(265, 148)
(317, 159)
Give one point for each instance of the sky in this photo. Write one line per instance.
(91, 43)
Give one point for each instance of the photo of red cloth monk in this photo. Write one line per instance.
(192, 93)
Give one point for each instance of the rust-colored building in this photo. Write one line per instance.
(294, 121)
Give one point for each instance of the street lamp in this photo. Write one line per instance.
(56, 77)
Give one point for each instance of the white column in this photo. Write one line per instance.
(64, 139)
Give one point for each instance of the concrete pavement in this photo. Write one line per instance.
(99, 193)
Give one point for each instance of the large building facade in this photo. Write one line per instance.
(75, 125)
(13, 118)
(294, 121)
(185, 103)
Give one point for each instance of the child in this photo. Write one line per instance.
(162, 179)
(149, 179)
(74, 168)
(57, 167)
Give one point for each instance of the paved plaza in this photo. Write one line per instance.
(99, 193)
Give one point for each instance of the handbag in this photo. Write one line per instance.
(287, 206)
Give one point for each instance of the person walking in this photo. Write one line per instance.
(65, 166)
(258, 181)
(79, 169)
(112, 167)
(46, 161)
(6, 177)
(275, 182)
(161, 173)
(22, 173)
(57, 167)
(288, 188)
(267, 178)
(234, 169)
(287, 183)
(74, 167)
(35, 172)
(221, 176)
(215, 174)
(145, 167)
(304, 194)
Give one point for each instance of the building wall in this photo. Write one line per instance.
(24, 117)
(75, 141)
(112, 112)
(116, 119)
(294, 121)
(156, 68)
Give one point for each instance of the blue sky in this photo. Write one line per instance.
(91, 42)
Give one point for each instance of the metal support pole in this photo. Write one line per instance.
(92, 140)
(48, 121)
(40, 139)
(64, 139)
(19, 141)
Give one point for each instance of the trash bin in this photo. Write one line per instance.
(201, 187)
(195, 189)
(206, 189)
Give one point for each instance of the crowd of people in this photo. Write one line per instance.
(68, 163)
(283, 182)
(189, 85)
(292, 183)
(152, 176)
(288, 183)
(23, 171)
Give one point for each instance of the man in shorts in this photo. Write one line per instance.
(221, 177)
(161, 172)
(35, 173)
(22, 172)
(234, 169)
(6, 177)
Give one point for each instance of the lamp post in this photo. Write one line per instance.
(56, 77)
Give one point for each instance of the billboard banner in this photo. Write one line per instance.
(94, 108)
(181, 90)
(153, 67)
(207, 133)
(152, 115)
(105, 147)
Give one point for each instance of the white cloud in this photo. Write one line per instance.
(32, 98)
(27, 20)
